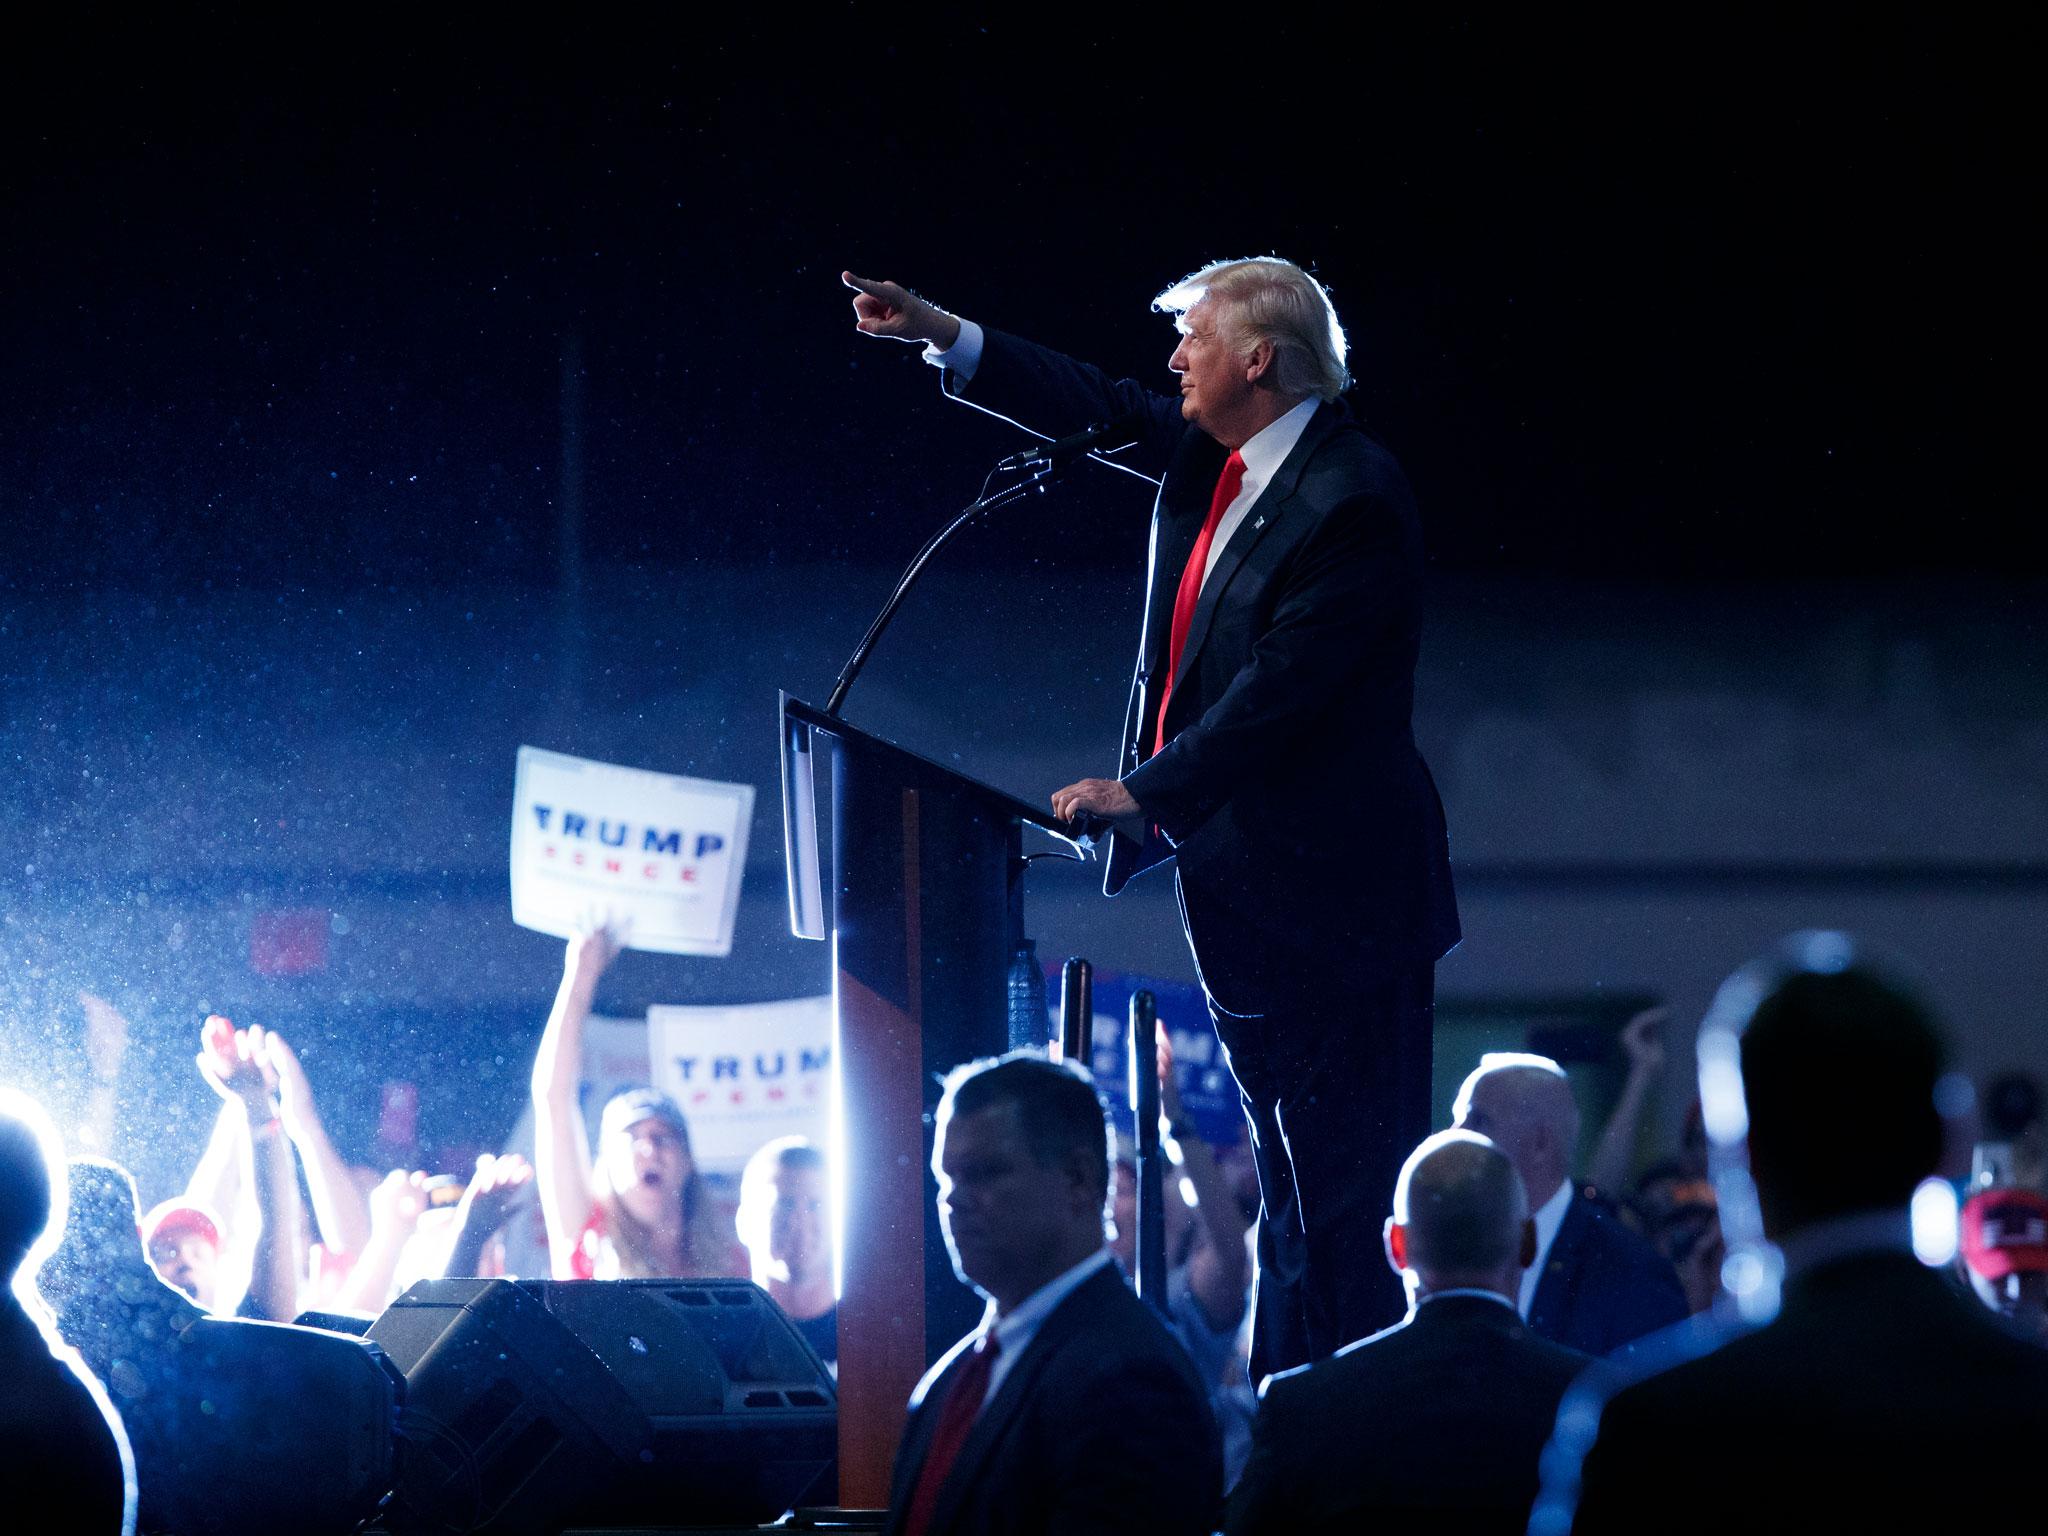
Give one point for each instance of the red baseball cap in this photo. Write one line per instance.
(174, 1218)
(2005, 1232)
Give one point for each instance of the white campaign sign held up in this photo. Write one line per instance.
(745, 1075)
(656, 851)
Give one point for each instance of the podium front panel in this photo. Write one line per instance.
(925, 918)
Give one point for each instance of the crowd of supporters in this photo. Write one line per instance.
(1539, 1277)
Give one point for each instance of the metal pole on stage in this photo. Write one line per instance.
(1144, 1069)
(1077, 1011)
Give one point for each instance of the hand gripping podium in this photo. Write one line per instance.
(925, 909)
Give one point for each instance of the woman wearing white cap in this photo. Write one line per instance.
(640, 1210)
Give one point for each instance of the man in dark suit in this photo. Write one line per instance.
(61, 1443)
(1593, 1285)
(1437, 1422)
(1005, 1432)
(1877, 1396)
(1267, 748)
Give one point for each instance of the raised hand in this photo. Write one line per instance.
(1642, 1038)
(892, 310)
(397, 1204)
(233, 1063)
(492, 1191)
(591, 952)
(1169, 1090)
(485, 1205)
(294, 1092)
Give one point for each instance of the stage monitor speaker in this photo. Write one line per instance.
(530, 1405)
(270, 1427)
(355, 1323)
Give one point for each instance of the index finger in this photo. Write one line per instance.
(866, 285)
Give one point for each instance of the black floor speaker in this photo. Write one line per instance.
(263, 1427)
(531, 1405)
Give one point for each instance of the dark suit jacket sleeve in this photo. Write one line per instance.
(1048, 392)
(1156, 1470)
(1348, 595)
(1637, 1293)
(1659, 1302)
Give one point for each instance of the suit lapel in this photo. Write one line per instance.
(1552, 1303)
(917, 1433)
(1271, 506)
(996, 1419)
(1177, 517)
(1183, 507)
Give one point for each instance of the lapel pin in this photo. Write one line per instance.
(1258, 523)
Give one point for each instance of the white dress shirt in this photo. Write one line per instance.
(1549, 1217)
(1263, 455)
(963, 357)
(1015, 1329)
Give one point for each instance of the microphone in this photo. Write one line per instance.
(1090, 830)
(1105, 437)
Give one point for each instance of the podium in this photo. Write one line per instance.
(924, 910)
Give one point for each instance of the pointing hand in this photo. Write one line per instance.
(892, 310)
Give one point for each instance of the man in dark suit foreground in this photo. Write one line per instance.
(1594, 1285)
(1878, 1397)
(1006, 1435)
(61, 1443)
(1440, 1419)
(1267, 749)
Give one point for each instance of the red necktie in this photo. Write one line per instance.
(1228, 484)
(963, 1401)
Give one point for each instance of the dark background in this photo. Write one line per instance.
(1623, 298)
(374, 400)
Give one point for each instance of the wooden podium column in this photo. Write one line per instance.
(878, 1056)
(923, 911)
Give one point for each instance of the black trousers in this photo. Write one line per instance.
(1336, 1086)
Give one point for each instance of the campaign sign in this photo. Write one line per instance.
(745, 1074)
(656, 852)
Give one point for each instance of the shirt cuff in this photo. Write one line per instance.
(963, 357)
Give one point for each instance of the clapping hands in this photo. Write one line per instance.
(236, 1065)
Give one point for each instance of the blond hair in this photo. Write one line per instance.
(1268, 299)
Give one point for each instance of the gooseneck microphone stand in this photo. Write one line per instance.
(1015, 491)
(1043, 466)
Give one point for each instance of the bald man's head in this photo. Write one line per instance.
(1524, 1105)
(29, 1196)
(1460, 1203)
